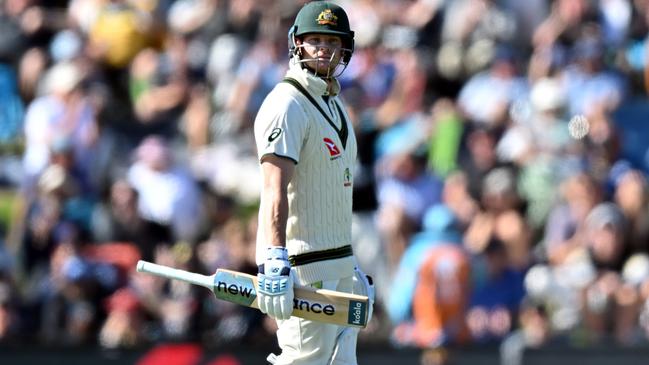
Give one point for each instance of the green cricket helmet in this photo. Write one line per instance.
(322, 17)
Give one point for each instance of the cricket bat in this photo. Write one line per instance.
(320, 305)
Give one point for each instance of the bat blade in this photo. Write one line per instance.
(320, 305)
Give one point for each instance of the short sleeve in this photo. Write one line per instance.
(280, 128)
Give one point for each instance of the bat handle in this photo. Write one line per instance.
(171, 273)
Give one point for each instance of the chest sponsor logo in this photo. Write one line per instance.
(334, 151)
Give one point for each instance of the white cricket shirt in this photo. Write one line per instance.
(320, 192)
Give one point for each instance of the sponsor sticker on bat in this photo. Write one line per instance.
(357, 313)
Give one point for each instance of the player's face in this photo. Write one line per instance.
(321, 52)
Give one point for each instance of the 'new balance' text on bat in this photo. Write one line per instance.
(314, 304)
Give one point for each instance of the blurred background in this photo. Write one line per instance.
(500, 196)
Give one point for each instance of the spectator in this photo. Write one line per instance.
(592, 87)
(609, 301)
(158, 87)
(497, 294)
(478, 157)
(440, 226)
(537, 143)
(167, 194)
(11, 322)
(119, 220)
(12, 106)
(580, 194)
(70, 314)
(563, 24)
(441, 300)
(434, 279)
(9, 315)
(473, 42)
(487, 95)
(632, 196)
(405, 190)
(123, 327)
(62, 112)
(543, 132)
(499, 201)
(119, 32)
(457, 196)
(31, 68)
(515, 233)
(444, 146)
(172, 308)
(499, 191)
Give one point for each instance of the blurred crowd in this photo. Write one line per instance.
(500, 194)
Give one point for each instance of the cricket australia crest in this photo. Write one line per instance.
(327, 17)
(348, 177)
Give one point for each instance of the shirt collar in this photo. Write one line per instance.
(315, 85)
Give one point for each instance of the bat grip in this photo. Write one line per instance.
(171, 273)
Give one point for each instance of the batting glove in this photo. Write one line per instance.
(275, 293)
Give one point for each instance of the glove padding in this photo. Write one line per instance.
(275, 279)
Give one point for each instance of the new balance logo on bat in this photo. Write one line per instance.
(234, 289)
(315, 307)
(241, 290)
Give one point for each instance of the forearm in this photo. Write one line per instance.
(275, 215)
(277, 173)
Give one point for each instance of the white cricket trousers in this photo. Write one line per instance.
(305, 342)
